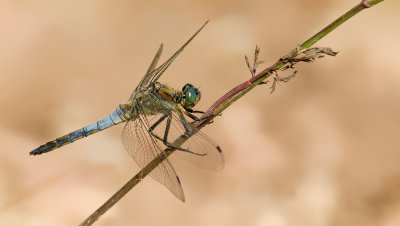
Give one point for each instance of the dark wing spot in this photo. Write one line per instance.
(219, 149)
(179, 181)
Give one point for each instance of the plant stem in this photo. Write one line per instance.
(234, 94)
(224, 102)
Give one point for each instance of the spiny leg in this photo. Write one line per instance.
(157, 123)
(167, 126)
(195, 111)
(185, 125)
(187, 131)
(189, 112)
(165, 139)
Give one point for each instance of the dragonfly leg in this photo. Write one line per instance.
(157, 123)
(202, 118)
(192, 116)
(195, 111)
(165, 139)
(166, 143)
(188, 131)
(189, 112)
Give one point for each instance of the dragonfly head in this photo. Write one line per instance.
(191, 96)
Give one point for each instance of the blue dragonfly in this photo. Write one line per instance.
(155, 115)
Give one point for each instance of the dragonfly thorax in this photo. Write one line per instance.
(187, 98)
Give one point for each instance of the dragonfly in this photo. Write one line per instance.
(155, 115)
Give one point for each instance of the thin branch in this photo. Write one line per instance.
(225, 101)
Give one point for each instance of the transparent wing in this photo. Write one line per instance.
(160, 70)
(146, 78)
(207, 153)
(143, 148)
(168, 124)
(154, 75)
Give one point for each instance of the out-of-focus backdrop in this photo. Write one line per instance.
(324, 149)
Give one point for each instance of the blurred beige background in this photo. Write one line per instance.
(324, 149)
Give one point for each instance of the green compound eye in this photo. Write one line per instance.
(191, 96)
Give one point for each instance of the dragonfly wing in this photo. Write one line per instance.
(208, 153)
(146, 78)
(155, 60)
(143, 148)
(155, 75)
